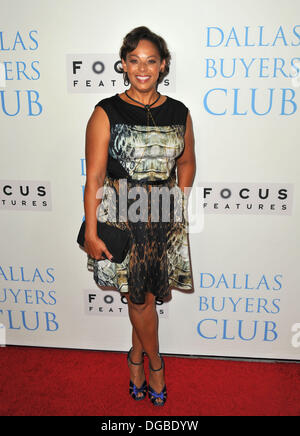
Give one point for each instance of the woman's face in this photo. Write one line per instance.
(143, 66)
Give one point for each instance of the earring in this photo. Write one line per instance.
(126, 80)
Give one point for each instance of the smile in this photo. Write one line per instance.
(142, 78)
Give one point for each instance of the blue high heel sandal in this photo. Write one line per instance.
(136, 393)
(155, 396)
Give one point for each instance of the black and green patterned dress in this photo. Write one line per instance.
(144, 157)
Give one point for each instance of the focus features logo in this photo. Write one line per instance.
(247, 198)
(94, 73)
(25, 195)
(111, 303)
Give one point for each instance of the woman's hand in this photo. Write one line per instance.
(97, 249)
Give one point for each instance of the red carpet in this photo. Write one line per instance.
(54, 382)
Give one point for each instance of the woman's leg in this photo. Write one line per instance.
(144, 321)
(137, 374)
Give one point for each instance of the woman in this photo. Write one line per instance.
(141, 136)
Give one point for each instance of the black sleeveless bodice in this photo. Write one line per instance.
(139, 151)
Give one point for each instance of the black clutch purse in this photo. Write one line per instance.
(116, 240)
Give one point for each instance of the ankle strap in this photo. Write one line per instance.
(131, 362)
(162, 365)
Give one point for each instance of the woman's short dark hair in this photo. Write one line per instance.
(131, 40)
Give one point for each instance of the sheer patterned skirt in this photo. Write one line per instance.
(159, 257)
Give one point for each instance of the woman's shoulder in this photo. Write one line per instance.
(177, 103)
(110, 105)
(107, 102)
(178, 106)
(176, 110)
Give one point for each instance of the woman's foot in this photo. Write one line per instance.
(137, 385)
(157, 387)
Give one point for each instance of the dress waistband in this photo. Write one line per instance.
(144, 181)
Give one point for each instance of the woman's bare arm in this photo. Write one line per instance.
(186, 163)
(96, 152)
